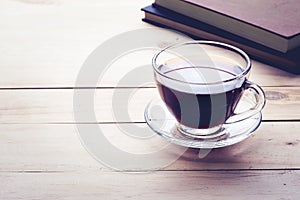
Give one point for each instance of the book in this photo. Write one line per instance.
(272, 23)
(199, 30)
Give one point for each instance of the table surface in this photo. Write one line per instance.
(43, 46)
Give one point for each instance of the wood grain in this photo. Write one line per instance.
(59, 148)
(245, 185)
(56, 105)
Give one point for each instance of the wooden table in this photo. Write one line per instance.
(43, 46)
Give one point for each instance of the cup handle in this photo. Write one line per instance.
(260, 99)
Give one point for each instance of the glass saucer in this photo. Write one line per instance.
(161, 121)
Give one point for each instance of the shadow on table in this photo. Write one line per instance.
(238, 156)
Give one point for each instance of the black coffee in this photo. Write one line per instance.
(200, 106)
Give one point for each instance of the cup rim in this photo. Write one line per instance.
(207, 42)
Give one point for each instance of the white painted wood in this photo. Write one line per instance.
(43, 45)
(56, 105)
(27, 147)
(176, 185)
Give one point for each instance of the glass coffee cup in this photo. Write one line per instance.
(201, 83)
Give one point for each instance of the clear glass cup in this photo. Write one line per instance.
(202, 83)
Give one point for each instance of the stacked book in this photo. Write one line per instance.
(268, 30)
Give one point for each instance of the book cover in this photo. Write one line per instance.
(273, 23)
(199, 30)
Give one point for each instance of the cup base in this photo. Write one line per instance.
(209, 133)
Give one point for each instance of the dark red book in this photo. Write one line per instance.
(159, 16)
(272, 23)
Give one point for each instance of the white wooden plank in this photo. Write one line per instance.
(44, 43)
(43, 147)
(48, 148)
(56, 105)
(266, 75)
(246, 185)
